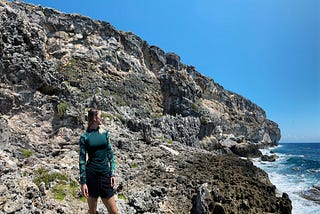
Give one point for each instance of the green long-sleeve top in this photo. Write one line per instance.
(100, 154)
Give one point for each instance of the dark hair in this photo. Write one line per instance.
(92, 113)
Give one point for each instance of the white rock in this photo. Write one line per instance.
(172, 151)
(12, 206)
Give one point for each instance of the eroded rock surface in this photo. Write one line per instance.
(177, 135)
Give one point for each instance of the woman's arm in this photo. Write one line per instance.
(82, 160)
(110, 155)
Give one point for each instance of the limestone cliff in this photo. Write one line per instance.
(54, 66)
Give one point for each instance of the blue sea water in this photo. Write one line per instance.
(296, 172)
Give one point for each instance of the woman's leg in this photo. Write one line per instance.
(111, 205)
(92, 203)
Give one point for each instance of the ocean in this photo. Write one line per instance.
(296, 172)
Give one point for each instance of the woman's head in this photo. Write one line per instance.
(94, 118)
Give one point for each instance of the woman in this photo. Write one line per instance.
(97, 174)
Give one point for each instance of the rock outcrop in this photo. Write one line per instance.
(177, 134)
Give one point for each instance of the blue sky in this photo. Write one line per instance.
(266, 50)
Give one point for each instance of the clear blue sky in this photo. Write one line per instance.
(266, 50)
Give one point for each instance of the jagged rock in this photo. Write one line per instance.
(172, 128)
(201, 202)
(5, 134)
(182, 129)
(270, 158)
(243, 150)
(8, 100)
(173, 60)
(218, 208)
(147, 200)
(13, 206)
(179, 92)
(313, 194)
(168, 85)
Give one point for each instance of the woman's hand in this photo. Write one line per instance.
(84, 190)
(113, 181)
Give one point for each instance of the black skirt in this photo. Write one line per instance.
(99, 184)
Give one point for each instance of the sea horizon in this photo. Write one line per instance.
(280, 142)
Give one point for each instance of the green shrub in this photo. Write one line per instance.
(162, 138)
(46, 177)
(59, 192)
(25, 152)
(119, 117)
(62, 108)
(120, 100)
(71, 68)
(195, 107)
(105, 93)
(104, 115)
(121, 196)
(86, 95)
(133, 165)
(82, 199)
(204, 120)
(64, 187)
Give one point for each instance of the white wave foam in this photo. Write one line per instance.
(292, 184)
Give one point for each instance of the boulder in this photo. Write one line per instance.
(269, 158)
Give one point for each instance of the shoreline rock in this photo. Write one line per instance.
(269, 158)
(312, 194)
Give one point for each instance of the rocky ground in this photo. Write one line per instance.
(157, 177)
(182, 142)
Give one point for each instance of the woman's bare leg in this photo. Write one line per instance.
(111, 205)
(92, 203)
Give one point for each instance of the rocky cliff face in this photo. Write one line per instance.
(175, 131)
